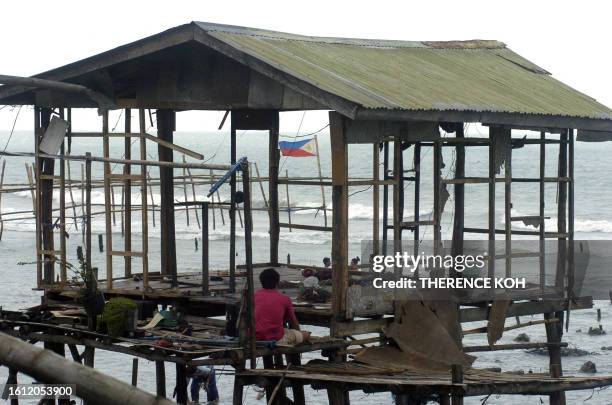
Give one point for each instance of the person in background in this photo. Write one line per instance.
(274, 312)
(203, 376)
(325, 273)
(355, 263)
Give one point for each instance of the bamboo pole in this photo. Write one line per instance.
(321, 178)
(288, 202)
(91, 385)
(70, 193)
(33, 188)
(194, 195)
(261, 187)
(185, 192)
(151, 194)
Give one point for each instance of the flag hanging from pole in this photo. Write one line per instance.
(303, 148)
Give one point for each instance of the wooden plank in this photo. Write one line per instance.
(324, 203)
(175, 147)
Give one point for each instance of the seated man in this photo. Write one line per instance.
(273, 311)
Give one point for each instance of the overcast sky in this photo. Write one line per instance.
(571, 39)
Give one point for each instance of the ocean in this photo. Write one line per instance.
(593, 189)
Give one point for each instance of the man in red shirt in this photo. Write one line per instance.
(273, 311)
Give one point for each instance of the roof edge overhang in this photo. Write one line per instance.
(517, 120)
(171, 37)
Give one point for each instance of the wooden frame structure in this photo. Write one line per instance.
(256, 83)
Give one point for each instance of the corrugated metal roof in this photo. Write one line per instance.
(481, 76)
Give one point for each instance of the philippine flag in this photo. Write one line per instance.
(304, 148)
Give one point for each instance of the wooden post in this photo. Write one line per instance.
(340, 274)
(181, 383)
(385, 197)
(542, 205)
(273, 159)
(205, 249)
(457, 378)
(232, 211)
(437, 203)
(553, 335)
(375, 199)
(561, 214)
(508, 202)
(83, 196)
(135, 371)
(459, 189)
(491, 211)
(62, 212)
(165, 130)
(398, 174)
(160, 378)
(238, 391)
(35, 198)
(570, 228)
(127, 194)
(417, 197)
(1, 183)
(248, 247)
(107, 202)
(45, 202)
(91, 322)
(143, 204)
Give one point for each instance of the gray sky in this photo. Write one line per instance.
(568, 38)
